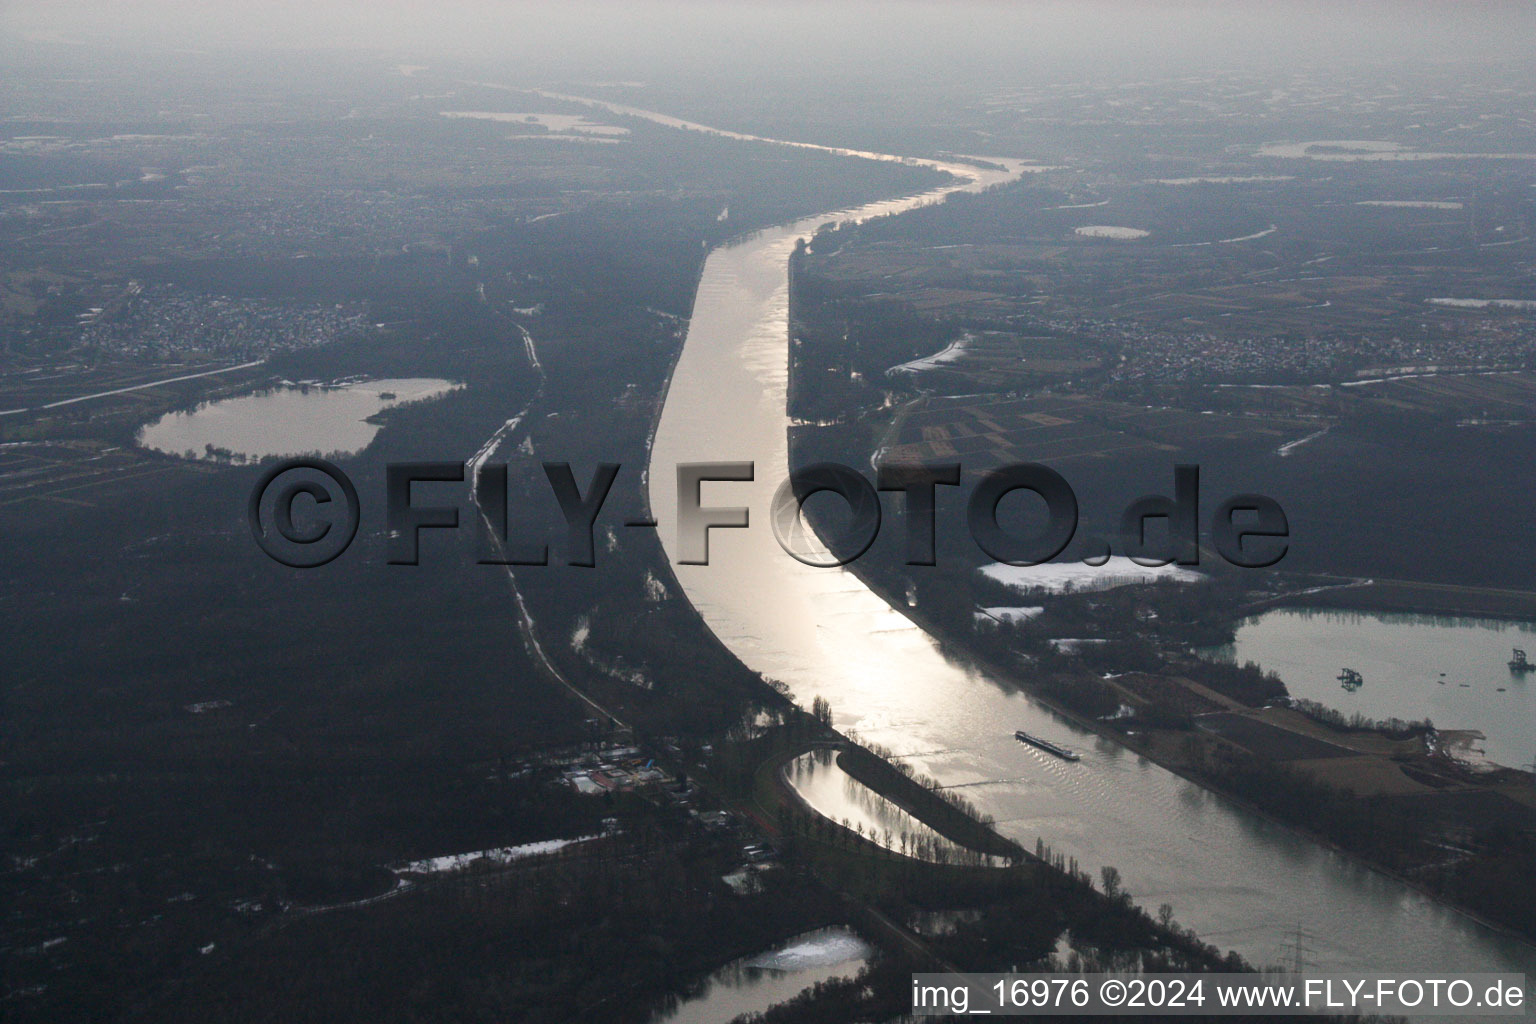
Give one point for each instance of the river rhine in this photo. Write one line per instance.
(1242, 882)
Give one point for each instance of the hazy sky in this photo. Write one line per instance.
(709, 36)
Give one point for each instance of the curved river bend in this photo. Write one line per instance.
(1240, 881)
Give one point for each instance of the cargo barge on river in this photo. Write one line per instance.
(1046, 745)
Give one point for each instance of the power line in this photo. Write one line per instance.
(1299, 962)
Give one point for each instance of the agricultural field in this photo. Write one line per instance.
(78, 472)
(987, 431)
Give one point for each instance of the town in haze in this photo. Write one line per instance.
(704, 512)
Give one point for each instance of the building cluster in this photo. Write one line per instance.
(163, 323)
(1165, 356)
(341, 222)
(613, 770)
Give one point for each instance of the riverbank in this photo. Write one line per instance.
(1330, 789)
(927, 806)
(1031, 899)
(1166, 749)
(824, 633)
(1418, 598)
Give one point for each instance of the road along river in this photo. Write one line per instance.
(1239, 880)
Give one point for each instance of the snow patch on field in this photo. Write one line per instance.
(827, 950)
(1062, 577)
(498, 855)
(1484, 303)
(1110, 231)
(951, 352)
(1248, 238)
(1411, 204)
